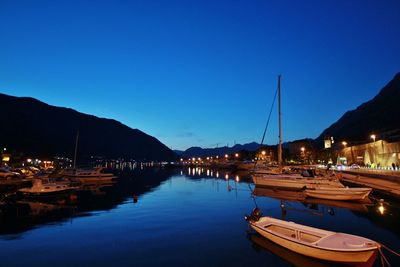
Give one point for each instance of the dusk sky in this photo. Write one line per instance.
(201, 73)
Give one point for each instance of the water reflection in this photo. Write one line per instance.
(23, 215)
(313, 203)
(127, 214)
(19, 215)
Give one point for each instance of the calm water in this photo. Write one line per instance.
(179, 219)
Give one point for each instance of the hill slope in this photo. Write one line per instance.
(380, 115)
(38, 129)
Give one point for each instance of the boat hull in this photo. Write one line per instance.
(348, 257)
(294, 182)
(339, 194)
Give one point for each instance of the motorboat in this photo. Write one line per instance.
(47, 190)
(89, 175)
(346, 193)
(315, 242)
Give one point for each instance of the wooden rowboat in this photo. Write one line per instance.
(295, 259)
(339, 193)
(315, 242)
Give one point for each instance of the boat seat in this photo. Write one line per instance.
(344, 241)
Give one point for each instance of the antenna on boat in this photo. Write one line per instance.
(76, 147)
(280, 124)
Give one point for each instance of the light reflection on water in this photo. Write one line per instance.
(188, 217)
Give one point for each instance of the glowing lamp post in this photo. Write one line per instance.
(373, 137)
(344, 143)
(303, 149)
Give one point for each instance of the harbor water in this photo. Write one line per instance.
(179, 217)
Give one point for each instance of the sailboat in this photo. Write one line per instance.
(87, 175)
(291, 181)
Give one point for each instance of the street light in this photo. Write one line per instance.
(226, 156)
(236, 155)
(373, 137)
(344, 143)
(302, 154)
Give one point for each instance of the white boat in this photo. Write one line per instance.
(293, 258)
(89, 175)
(300, 196)
(345, 193)
(315, 242)
(295, 181)
(47, 190)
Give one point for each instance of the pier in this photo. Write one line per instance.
(385, 184)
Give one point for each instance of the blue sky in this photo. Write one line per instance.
(201, 73)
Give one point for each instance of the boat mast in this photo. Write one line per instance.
(280, 123)
(76, 147)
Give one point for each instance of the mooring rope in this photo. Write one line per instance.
(390, 250)
(252, 195)
(384, 260)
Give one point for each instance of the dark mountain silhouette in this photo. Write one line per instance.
(178, 152)
(218, 151)
(380, 116)
(37, 129)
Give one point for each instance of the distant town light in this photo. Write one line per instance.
(373, 137)
(303, 149)
(29, 160)
(236, 155)
(263, 152)
(344, 143)
(226, 156)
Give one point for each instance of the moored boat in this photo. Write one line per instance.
(89, 175)
(295, 259)
(295, 181)
(315, 242)
(345, 193)
(47, 190)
